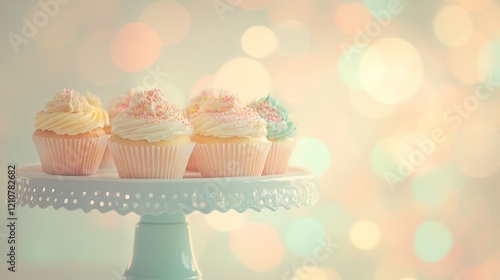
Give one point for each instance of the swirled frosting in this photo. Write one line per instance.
(279, 127)
(119, 103)
(151, 117)
(70, 113)
(226, 117)
(97, 104)
(195, 103)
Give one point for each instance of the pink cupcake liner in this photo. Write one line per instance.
(107, 159)
(192, 166)
(152, 162)
(278, 157)
(231, 159)
(61, 156)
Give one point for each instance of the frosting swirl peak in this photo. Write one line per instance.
(70, 113)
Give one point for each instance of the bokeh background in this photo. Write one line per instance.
(396, 102)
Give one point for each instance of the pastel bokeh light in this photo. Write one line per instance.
(206, 82)
(331, 274)
(488, 62)
(306, 66)
(309, 272)
(433, 241)
(258, 41)
(365, 235)
(257, 246)
(229, 221)
(453, 26)
(244, 76)
(305, 236)
(391, 70)
(382, 8)
(135, 47)
(316, 273)
(431, 189)
(349, 66)
(313, 154)
(351, 18)
(367, 106)
(395, 267)
(475, 5)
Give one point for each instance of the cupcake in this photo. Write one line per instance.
(119, 103)
(230, 138)
(151, 138)
(280, 131)
(116, 106)
(196, 102)
(69, 136)
(193, 107)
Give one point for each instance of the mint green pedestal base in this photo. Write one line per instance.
(162, 250)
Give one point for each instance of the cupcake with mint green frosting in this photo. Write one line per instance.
(280, 131)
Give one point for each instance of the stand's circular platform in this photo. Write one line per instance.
(105, 191)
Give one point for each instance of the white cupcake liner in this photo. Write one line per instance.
(191, 165)
(231, 159)
(278, 157)
(158, 162)
(61, 156)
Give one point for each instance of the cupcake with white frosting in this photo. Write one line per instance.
(116, 105)
(230, 138)
(191, 110)
(69, 136)
(151, 138)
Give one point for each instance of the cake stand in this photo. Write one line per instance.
(162, 248)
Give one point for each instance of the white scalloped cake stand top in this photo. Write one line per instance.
(105, 191)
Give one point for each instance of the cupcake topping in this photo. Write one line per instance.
(279, 126)
(195, 103)
(70, 113)
(150, 116)
(96, 103)
(226, 117)
(68, 100)
(119, 103)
